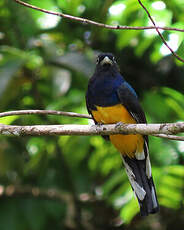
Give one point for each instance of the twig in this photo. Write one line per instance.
(171, 137)
(24, 191)
(161, 36)
(44, 112)
(13, 191)
(90, 22)
(84, 130)
(51, 194)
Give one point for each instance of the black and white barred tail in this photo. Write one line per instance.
(139, 174)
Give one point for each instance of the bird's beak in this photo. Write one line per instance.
(106, 60)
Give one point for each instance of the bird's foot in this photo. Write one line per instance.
(119, 124)
(98, 126)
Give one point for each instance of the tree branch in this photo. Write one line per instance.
(117, 27)
(44, 112)
(13, 191)
(84, 130)
(67, 129)
(161, 36)
(90, 22)
(171, 137)
(51, 194)
(25, 191)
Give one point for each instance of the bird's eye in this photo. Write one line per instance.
(97, 60)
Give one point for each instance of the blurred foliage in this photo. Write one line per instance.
(45, 63)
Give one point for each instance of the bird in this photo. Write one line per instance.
(110, 99)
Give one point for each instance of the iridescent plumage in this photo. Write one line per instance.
(110, 99)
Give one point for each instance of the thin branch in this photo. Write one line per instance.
(25, 191)
(161, 36)
(44, 112)
(51, 194)
(90, 22)
(86, 130)
(170, 137)
(13, 191)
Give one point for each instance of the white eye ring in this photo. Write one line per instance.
(97, 61)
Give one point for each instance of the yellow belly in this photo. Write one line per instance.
(126, 144)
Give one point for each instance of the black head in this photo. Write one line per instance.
(106, 61)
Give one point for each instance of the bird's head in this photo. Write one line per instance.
(106, 61)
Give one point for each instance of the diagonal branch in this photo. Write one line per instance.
(161, 36)
(90, 22)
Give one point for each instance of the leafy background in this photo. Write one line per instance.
(45, 63)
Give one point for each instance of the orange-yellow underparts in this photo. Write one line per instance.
(126, 144)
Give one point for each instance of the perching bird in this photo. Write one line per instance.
(110, 99)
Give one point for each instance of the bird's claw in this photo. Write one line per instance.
(98, 126)
(119, 124)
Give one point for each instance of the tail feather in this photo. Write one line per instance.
(142, 183)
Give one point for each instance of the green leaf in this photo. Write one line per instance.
(129, 211)
(8, 120)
